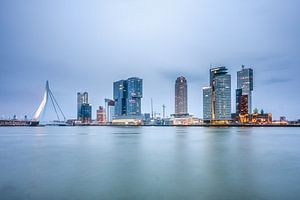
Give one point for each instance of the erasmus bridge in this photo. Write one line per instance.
(49, 98)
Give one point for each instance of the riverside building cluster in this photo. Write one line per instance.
(125, 106)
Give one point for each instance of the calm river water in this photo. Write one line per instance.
(149, 163)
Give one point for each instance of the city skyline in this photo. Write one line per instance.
(158, 43)
(131, 91)
(149, 99)
(127, 94)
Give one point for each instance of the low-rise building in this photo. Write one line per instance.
(101, 115)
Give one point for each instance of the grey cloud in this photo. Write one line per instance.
(171, 75)
(273, 81)
(87, 45)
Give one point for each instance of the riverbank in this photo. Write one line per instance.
(200, 125)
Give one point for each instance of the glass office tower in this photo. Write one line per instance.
(134, 96)
(82, 98)
(217, 97)
(245, 82)
(127, 96)
(120, 96)
(222, 97)
(86, 113)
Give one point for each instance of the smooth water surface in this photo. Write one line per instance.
(149, 163)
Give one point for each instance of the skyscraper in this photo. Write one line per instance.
(242, 112)
(82, 98)
(134, 96)
(217, 97)
(127, 96)
(86, 113)
(245, 82)
(120, 96)
(181, 96)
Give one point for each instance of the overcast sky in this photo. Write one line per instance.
(87, 45)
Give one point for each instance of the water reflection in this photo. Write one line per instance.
(127, 130)
(227, 163)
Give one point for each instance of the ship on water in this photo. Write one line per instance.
(12, 122)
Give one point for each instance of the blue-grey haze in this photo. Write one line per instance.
(87, 45)
(149, 163)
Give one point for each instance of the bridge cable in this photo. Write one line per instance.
(57, 105)
(54, 105)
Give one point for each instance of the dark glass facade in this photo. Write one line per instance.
(82, 99)
(134, 96)
(245, 83)
(127, 97)
(120, 96)
(241, 103)
(86, 113)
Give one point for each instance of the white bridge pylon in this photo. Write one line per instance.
(41, 108)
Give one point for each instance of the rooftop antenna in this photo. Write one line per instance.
(151, 108)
